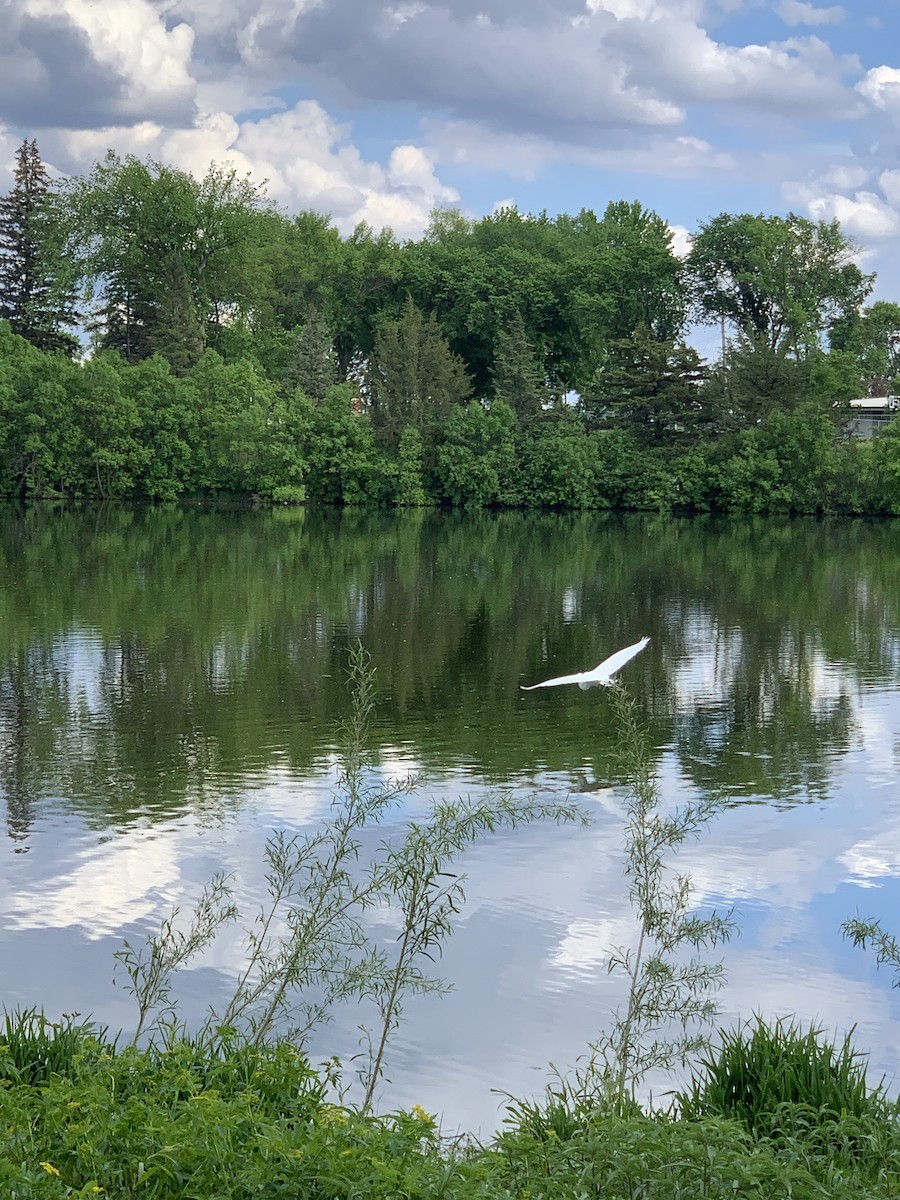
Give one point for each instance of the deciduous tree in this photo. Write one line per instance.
(783, 281)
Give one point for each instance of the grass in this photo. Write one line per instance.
(82, 1117)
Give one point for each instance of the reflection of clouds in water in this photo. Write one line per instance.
(879, 724)
(114, 884)
(544, 907)
(81, 658)
(873, 859)
(586, 945)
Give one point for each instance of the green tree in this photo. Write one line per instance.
(871, 340)
(477, 461)
(41, 439)
(519, 379)
(479, 278)
(781, 281)
(36, 288)
(414, 379)
(651, 387)
(171, 259)
(313, 366)
(623, 275)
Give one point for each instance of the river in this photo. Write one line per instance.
(173, 680)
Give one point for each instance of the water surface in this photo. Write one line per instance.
(173, 680)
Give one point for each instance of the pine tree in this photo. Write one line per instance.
(519, 379)
(36, 296)
(313, 363)
(414, 379)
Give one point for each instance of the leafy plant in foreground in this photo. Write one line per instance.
(309, 948)
(867, 933)
(664, 987)
(760, 1070)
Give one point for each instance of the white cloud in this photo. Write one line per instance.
(119, 882)
(128, 37)
(681, 240)
(864, 215)
(881, 87)
(303, 156)
(794, 12)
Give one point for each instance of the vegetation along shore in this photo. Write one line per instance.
(515, 360)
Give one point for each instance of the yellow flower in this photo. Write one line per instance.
(418, 1111)
(49, 1168)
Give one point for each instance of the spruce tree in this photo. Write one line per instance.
(519, 379)
(36, 296)
(313, 363)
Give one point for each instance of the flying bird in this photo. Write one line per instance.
(601, 676)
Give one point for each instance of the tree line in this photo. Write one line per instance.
(513, 360)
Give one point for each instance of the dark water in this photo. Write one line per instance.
(172, 681)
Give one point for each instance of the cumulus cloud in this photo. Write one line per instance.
(793, 12)
(75, 64)
(797, 76)
(522, 87)
(881, 87)
(303, 156)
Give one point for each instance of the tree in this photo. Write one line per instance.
(36, 292)
(651, 387)
(170, 258)
(479, 278)
(519, 379)
(312, 366)
(871, 340)
(414, 379)
(624, 274)
(779, 280)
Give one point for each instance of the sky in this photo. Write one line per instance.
(379, 111)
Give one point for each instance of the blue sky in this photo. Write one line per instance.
(380, 110)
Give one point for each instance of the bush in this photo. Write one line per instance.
(778, 1080)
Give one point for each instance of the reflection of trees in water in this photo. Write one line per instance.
(219, 644)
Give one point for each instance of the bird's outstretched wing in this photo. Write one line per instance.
(617, 661)
(601, 674)
(558, 682)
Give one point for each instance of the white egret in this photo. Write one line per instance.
(601, 676)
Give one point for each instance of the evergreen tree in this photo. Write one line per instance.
(414, 379)
(519, 380)
(36, 295)
(313, 364)
(651, 387)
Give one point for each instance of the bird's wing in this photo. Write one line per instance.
(617, 661)
(558, 682)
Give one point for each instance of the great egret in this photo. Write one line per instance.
(601, 676)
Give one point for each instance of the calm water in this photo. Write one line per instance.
(172, 681)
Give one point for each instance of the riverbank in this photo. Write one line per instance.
(84, 1117)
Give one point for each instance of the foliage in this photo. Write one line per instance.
(477, 459)
(664, 988)
(414, 379)
(233, 325)
(779, 1081)
(867, 932)
(36, 288)
(781, 281)
(170, 258)
(308, 949)
(868, 339)
(518, 377)
(312, 366)
(650, 387)
(182, 1124)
